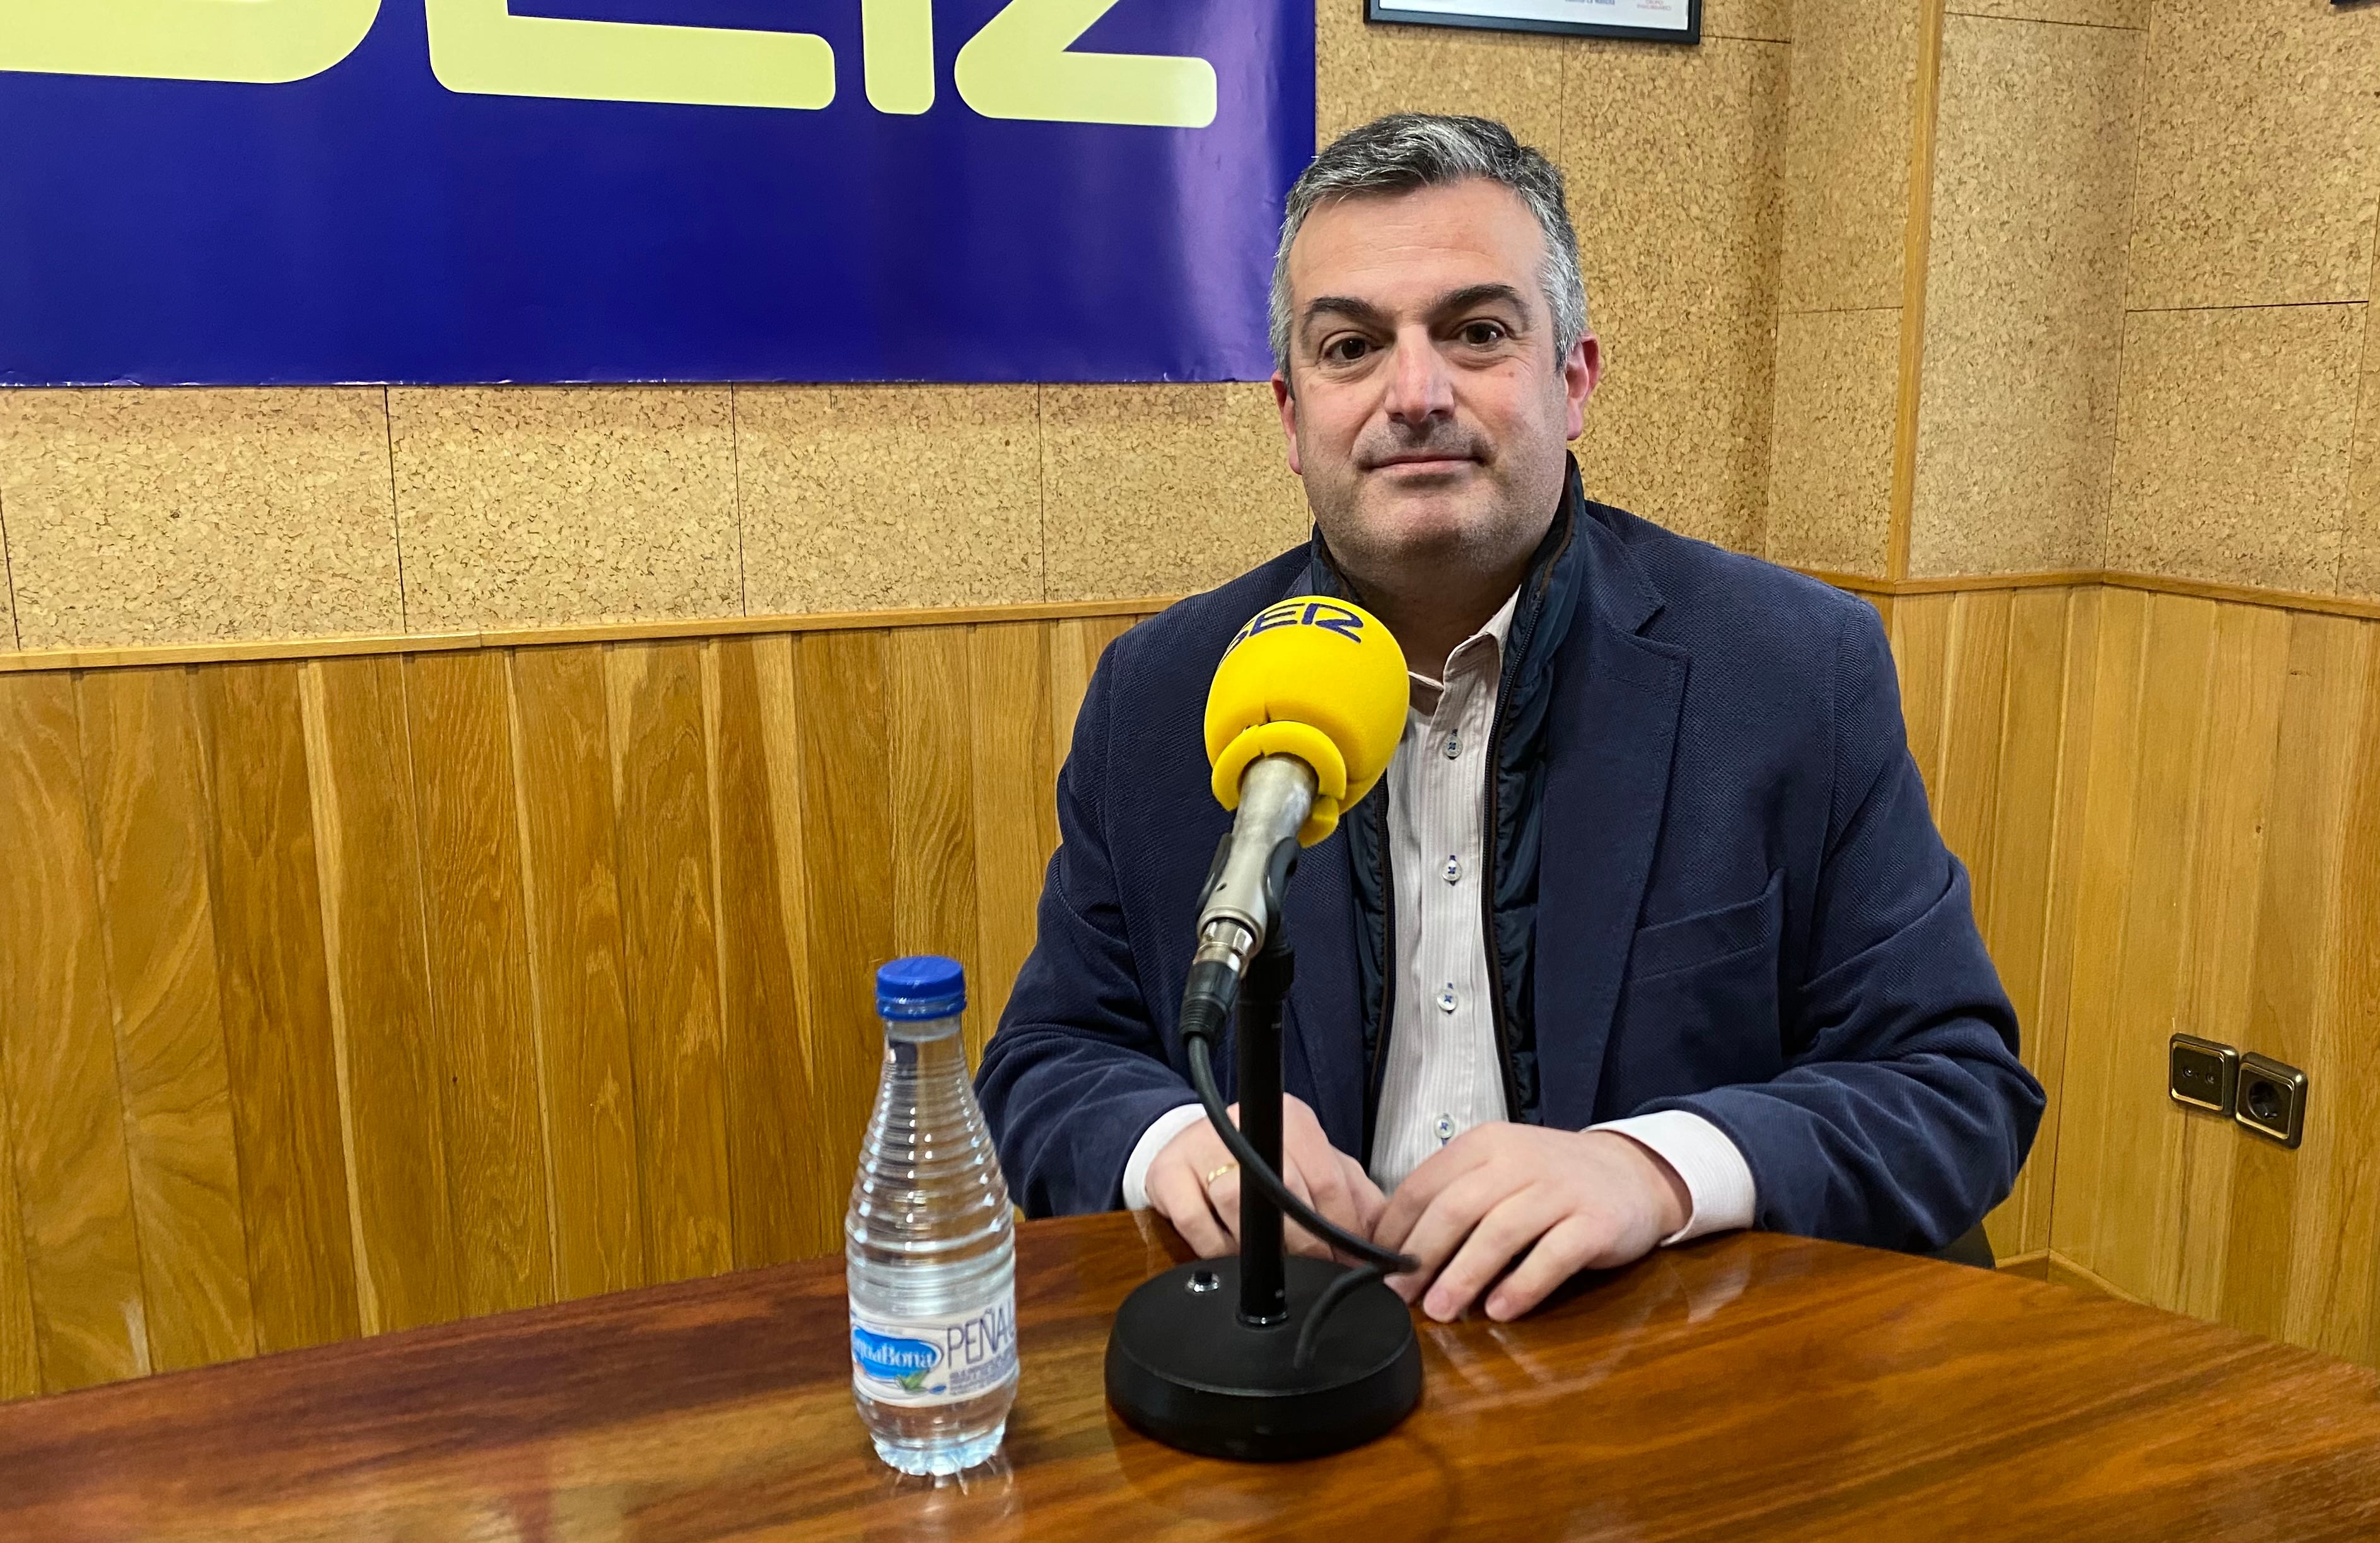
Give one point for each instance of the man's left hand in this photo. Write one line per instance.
(1573, 1199)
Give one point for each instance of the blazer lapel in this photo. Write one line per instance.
(1611, 736)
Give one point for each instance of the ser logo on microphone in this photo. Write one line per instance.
(1317, 614)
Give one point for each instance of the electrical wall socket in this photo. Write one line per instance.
(2201, 1074)
(2271, 1099)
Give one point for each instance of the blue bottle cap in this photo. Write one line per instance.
(922, 986)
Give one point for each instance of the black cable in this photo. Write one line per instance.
(1254, 1170)
(1332, 1294)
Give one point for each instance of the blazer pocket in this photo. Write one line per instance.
(1690, 943)
(1700, 1007)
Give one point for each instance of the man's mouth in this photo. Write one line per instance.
(1417, 461)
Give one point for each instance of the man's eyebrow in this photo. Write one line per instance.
(1474, 296)
(1468, 297)
(1354, 310)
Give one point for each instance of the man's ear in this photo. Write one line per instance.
(1286, 400)
(1580, 372)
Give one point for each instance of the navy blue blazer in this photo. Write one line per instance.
(1745, 908)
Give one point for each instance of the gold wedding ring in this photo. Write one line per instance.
(1220, 1172)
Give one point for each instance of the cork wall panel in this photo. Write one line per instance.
(2260, 154)
(1681, 258)
(1363, 70)
(2232, 445)
(2081, 13)
(581, 504)
(1847, 149)
(862, 497)
(1163, 490)
(2359, 571)
(2024, 306)
(1830, 472)
(167, 517)
(1755, 21)
(8, 595)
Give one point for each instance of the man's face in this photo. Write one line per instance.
(1424, 405)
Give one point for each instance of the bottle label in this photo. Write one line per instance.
(917, 1362)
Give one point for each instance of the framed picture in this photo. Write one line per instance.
(1662, 21)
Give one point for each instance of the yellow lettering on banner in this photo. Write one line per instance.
(1019, 67)
(264, 42)
(480, 48)
(897, 41)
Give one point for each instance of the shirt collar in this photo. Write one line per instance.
(1483, 650)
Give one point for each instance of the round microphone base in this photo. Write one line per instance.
(1183, 1369)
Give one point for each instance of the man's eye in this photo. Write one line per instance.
(1483, 335)
(1345, 350)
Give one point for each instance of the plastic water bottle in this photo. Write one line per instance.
(929, 1242)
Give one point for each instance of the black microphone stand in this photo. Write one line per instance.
(1263, 1356)
(1264, 1277)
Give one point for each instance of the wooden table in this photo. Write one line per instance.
(1744, 1387)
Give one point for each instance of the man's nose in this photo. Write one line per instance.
(1420, 386)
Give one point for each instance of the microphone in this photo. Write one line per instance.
(1263, 1356)
(1302, 721)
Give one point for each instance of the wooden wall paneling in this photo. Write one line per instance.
(847, 838)
(1104, 630)
(152, 824)
(2021, 841)
(2336, 1272)
(2287, 1205)
(2140, 1146)
(1071, 663)
(2287, 942)
(384, 1027)
(2358, 989)
(1974, 715)
(1921, 645)
(1016, 816)
(460, 719)
(20, 1353)
(276, 1002)
(787, 1205)
(2081, 1224)
(57, 1050)
(662, 794)
(2139, 1181)
(577, 968)
(2246, 688)
(1076, 645)
(2051, 1034)
(931, 728)
(2290, 980)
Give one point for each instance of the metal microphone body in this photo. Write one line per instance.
(1275, 798)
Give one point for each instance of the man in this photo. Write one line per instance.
(1647, 933)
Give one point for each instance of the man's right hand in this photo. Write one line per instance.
(1195, 1184)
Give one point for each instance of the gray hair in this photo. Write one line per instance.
(1406, 152)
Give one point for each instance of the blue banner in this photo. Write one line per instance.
(312, 192)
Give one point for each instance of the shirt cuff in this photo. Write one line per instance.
(1718, 1182)
(1162, 1129)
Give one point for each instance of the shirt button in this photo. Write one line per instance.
(1454, 747)
(1453, 869)
(1446, 999)
(1445, 1128)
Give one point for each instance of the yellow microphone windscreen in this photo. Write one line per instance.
(1315, 678)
